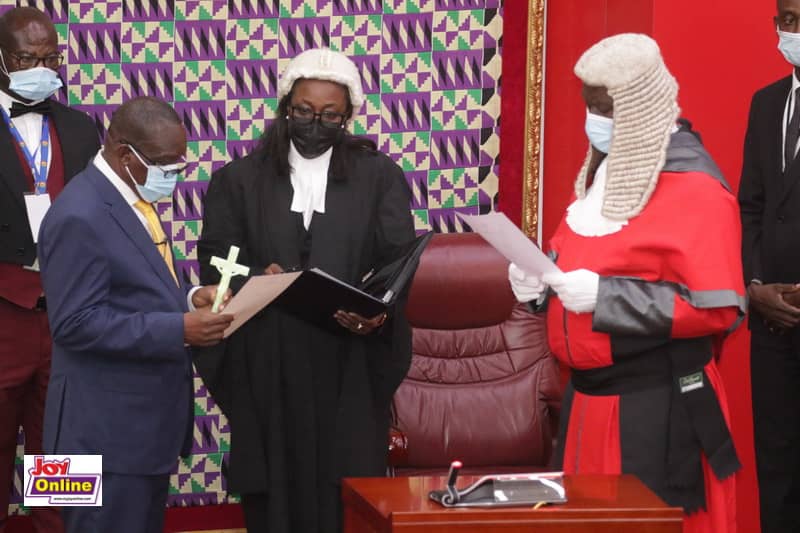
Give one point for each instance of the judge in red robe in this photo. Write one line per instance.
(650, 283)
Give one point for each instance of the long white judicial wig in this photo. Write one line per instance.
(645, 94)
(323, 64)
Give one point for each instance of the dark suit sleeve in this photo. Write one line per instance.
(394, 229)
(76, 279)
(79, 138)
(92, 145)
(751, 197)
(89, 136)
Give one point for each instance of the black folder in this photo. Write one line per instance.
(316, 295)
(390, 279)
(506, 490)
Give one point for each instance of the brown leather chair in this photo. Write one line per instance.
(483, 387)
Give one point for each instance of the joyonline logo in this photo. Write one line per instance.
(63, 480)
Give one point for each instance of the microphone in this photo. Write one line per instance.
(452, 492)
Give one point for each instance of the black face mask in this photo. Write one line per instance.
(312, 140)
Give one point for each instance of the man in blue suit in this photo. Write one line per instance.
(121, 320)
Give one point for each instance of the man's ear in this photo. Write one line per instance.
(123, 153)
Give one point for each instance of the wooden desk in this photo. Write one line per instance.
(597, 504)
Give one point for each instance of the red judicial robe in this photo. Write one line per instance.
(670, 287)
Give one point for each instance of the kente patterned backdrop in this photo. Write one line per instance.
(430, 71)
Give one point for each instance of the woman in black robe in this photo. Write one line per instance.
(307, 406)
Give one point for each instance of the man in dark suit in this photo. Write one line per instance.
(769, 196)
(121, 383)
(42, 145)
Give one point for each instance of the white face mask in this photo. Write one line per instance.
(160, 181)
(33, 84)
(599, 130)
(789, 45)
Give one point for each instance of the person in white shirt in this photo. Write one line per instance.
(122, 320)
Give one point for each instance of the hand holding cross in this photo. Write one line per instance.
(227, 268)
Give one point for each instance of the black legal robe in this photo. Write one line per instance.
(306, 406)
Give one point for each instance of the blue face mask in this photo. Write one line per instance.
(160, 181)
(33, 84)
(599, 130)
(789, 45)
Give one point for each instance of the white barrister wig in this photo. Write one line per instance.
(630, 67)
(323, 64)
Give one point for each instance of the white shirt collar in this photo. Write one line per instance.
(788, 109)
(309, 179)
(118, 183)
(6, 100)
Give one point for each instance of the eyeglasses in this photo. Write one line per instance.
(26, 61)
(305, 115)
(169, 170)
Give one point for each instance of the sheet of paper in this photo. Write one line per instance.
(255, 295)
(509, 240)
(37, 206)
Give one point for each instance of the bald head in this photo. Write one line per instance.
(17, 23)
(27, 39)
(142, 121)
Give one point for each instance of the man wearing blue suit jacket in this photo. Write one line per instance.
(121, 382)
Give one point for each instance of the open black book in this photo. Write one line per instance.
(316, 295)
(506, 490)
(389, 279)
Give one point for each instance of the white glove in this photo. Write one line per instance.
(526, 287)
(577, 290)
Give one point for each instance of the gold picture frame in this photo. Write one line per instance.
(534, 91)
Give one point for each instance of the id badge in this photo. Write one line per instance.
(37, 206)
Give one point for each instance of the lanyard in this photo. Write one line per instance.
(40, 173)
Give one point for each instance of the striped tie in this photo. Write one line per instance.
(157, 232)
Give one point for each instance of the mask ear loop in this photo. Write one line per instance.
(3, 62)
(130, 174)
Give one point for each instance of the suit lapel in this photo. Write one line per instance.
(789, 176)
(11, 171)
(72, 158)
(123, 214)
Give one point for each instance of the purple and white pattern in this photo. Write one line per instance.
(430, 71)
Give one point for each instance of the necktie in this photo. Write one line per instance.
(157, 232)
(792, 133)
(18, 109)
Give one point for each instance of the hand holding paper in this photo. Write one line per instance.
(577, 289)
(526, 287)
(509, 240)
(204, 328)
